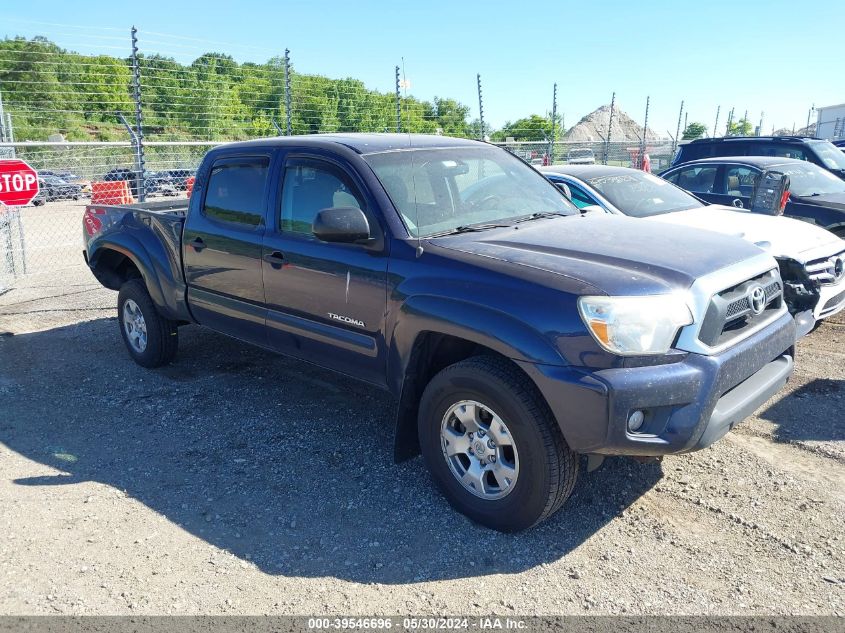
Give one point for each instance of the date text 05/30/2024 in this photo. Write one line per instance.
(413, 624)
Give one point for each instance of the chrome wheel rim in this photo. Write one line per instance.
(135, 326)
(479, 449)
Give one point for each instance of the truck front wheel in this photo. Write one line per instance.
(492, 445)
(151, 339)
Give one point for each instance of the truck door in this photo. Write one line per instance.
(326, 302)
(222, 247)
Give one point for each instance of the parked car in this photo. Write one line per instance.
(840, 144)
(816, 196)
(581, 156)
(152, 184)
(178, 177)
(70, 177)
(811, 259)
(52, 188)
(514, 333)
(816, 151)
(160, 182)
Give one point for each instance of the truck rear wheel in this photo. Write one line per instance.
(151, 339)
(492, 445)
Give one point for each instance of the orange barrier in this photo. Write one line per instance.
(190, 184)
(111, 193)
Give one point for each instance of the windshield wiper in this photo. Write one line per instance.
(541, 214)
(469, 228)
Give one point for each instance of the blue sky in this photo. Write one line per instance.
(778, 57)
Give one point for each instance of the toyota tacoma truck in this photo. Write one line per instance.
(515, 333)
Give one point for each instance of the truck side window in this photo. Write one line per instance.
(309, 187)
(235, 190)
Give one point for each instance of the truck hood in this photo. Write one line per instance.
(780, 236)
(617, 255)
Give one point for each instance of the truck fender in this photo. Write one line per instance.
(166, 290)
(477, 324)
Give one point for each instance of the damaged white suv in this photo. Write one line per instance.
(812, 260)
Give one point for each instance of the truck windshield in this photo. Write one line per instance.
(641, 195)
(439, 191)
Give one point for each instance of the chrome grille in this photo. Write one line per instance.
(827, 271)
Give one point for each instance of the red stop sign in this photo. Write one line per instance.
(18, 183)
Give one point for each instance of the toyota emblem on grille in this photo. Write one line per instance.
(757, 299)
(838, 268)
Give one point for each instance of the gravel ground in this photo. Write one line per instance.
(239, 482)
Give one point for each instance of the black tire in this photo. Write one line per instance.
(162, 335)
(548, 469)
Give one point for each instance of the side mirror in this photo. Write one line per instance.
(346, 225)
(592, 208)
(564, 188)
(771, 191)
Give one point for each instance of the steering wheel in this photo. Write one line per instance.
(485, 202)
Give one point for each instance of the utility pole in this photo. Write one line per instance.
(760, 127)
(554, 128)
(139, 127)
(809, 114)
(2, 120)
(609, 129)
(288, 119)
(678, 130)
(716, 124)
(398, 104)
(730, 122)
(480, 105)
(645, 132)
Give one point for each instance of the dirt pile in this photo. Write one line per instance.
(593, 127)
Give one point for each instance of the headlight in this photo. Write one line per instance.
(635, 325)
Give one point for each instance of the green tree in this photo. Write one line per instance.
(694, 130)
(533, 128)
(50, 90)
(740, 128)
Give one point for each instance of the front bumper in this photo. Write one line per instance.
(688, 405)
(831, 301)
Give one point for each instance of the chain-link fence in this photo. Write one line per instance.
(621, 154)
(46, 236)
(145, 108)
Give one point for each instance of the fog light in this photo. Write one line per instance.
(635, 421)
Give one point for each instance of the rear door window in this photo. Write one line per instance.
(783, 150)
(698, 178)
(236, 190)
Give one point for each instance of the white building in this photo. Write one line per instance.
(831, 122)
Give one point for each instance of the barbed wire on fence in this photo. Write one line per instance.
(61, 111)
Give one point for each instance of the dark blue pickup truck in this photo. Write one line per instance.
(515, 333)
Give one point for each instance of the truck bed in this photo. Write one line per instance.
(176, 208)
